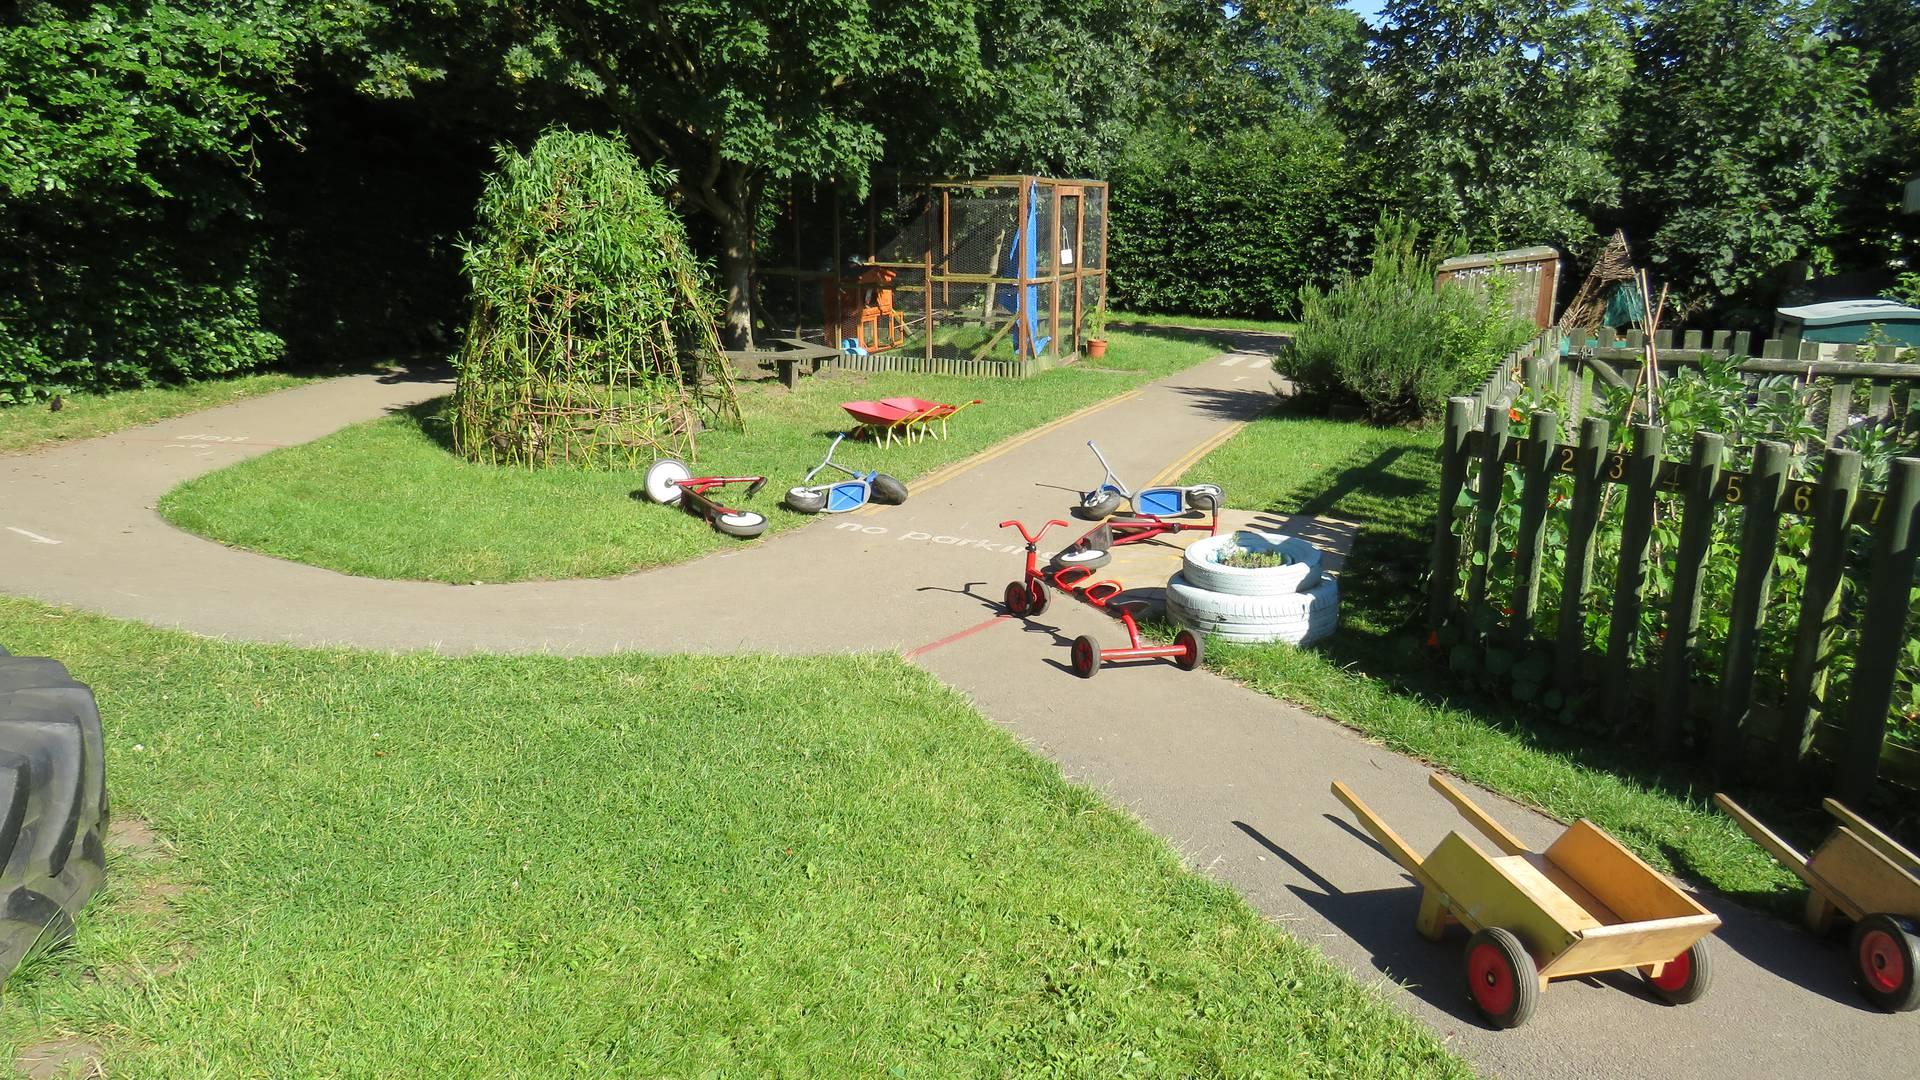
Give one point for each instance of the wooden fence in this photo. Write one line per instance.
(1850, 736)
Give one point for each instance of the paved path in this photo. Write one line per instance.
(1238, 781)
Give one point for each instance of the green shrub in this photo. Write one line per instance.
(1390, 342)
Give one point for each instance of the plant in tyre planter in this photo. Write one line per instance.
(1096, 335)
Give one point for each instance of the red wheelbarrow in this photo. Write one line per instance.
(901, 418)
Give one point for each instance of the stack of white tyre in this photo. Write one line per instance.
(1294, 602)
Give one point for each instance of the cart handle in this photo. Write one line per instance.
(1508, 843)
(1032, 538)
(1865, 830)
(1397, 848)
(1788, 856)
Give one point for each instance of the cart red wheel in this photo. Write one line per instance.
(1685, 978)
(1086, 657)
(1189, 641)
(1038, 597)
(1018, 599)
(1501, 978)
(1886, 954)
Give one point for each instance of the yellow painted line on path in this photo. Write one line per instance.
(1186, 461)
(941, 476)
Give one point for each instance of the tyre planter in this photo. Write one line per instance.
(53, 789)
(1204, 570)
(1300, 618)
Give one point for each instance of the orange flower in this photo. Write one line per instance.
(1433, 639)
(1513, 415)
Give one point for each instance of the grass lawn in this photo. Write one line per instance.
(389, 499)
(1213, 322)
(409, 865)
(1374, 674)
(32, 427)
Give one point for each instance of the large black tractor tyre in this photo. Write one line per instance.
(53, 804)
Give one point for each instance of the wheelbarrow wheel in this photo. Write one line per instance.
(1684, 979)
(1501, 978)
(807, 500)
(1886, 954)
(1018, 599)
(1085, 656)
(888, 490)
(1192, 652)
(1038, 597)
(744, 524)
(663, 479)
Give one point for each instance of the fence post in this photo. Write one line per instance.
(1759, 533)
(1493, 447)
(1444, 582)
(1883, 633)
(1570, 637)
(1690, 561)
(1636, 531)
(1832, 508)
(1536, 464)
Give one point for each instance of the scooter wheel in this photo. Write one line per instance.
(1089, 557)
(888, 490)
(1204, 497)
(1099, 506)
(806, 500)
(1191, 642)
(663, 480)
(1018, 599)
(1085, 656)
(741, 523)
(1038, 597)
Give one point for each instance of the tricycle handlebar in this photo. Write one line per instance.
(1033, 537)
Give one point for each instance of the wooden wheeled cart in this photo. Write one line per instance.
(1864, 875)
(1583, 906)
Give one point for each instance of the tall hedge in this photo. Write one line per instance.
(130, 247)
(1234, 225)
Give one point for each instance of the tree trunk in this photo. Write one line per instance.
(736, 256)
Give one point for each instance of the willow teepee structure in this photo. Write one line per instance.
(592, 339)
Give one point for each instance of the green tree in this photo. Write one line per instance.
(1492, 118)
(1745, 118)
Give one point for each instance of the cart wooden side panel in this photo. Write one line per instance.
(1872, 881)
(1619, 879)
(1630, 945)
(1508, 892)
(1865, 830)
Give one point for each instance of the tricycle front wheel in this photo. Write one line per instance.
(1886, 951)
(1018, 598)
(1502, 979)
(1685, 978)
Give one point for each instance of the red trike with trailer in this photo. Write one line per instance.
(1030, 595)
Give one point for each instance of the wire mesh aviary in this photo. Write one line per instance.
(592, 340)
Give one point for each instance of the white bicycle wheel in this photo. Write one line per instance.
(663, 479)
(1203, 569)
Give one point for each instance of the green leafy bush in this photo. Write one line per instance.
(1234, 225)
(133, 249)
(1393, 344)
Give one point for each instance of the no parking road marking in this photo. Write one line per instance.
(928, 538)
(33, 536)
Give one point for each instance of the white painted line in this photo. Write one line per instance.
(33, 536)
(1230, 361)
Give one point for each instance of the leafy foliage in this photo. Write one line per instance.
(1234, 225)
(1490, 118)
(1392, 343)
(584, 292)
(1738, 135)
(132, 248)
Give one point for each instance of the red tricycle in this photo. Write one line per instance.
(1029, 596)
(1096, 547)
(669, 482)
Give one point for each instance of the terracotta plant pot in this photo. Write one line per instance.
(1096, 348)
